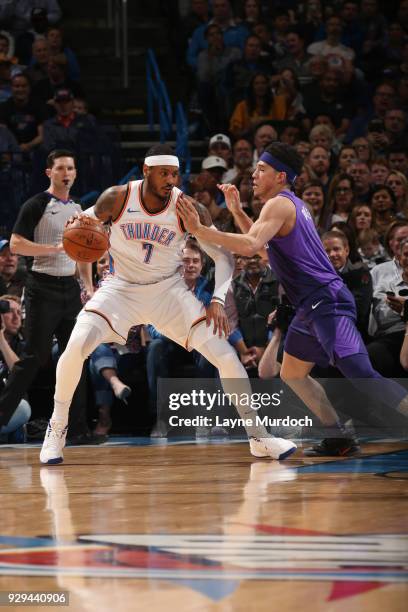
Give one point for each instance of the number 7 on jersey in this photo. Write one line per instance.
(149, 251)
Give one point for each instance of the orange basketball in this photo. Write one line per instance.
(85, 240)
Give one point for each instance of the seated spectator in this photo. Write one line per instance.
(322, 136)
(398, 159)
(290, 133)
(306, 175)
(383, 100)
(255, 292)
(220, 146)
(329, 98)
(287, 84)
(242, 160)
(27, 35)
(280, 27)
(234, 34)
(389, 329)
(360, 172)
(347, 155)
(259, 105)
(23, 115)
(38, 69)
(341, 197)
(303, 148)
(13, 278)
(241, 71)
(263, 134)
(216, 166)
(67, 129)
(356, 276)
(361, 218)
(263, 31)
(81, 106)
(377, 137)
(313, 194)
(11, 346)
(319, 163)
(363, 149)
(331, 47)
(57, 49)
(383, 205)
(26, 9)
(44, 90)
(204, 189)
(344, 228)
(379, 171)
(212, 64)
(250, 13)
(296, 57)
(395, 124)
(371, 250)
(399, 185)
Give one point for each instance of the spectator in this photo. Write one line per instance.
(242, 160)
(11, 347)
(255, 290)
(67, 129)
(263, 31)
(212, 64)
(24, 42)
(356, 276)
(5, 78)
(259, 104)
(220, 146)
(363, 149)
(216, 166)
(383, 100)
(344, 228)
(45, 89)
(341, 197)
(377, 137)
(319, 163)
(329, 99)
(303, 148)
(13, 279)
(360, 172)
(243, 182)
(251, 13)
(398, 159)
(395, 124)
(346, 156)
(331, 48)
(198, 15)
(58, 48)
(399, 184)
(383, 205)
(204, 189)
(241, 71)
(361, 218)
(323, 136)
(23, 115)
(234, 34)
(280, 27)
(287, 84)
(313, 194)
(379, 171)
(371, 250)
(353, 35)
(264, 134)
(26, 10)
(296, 58)
(40, 57)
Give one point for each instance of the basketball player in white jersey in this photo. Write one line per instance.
(146, 239)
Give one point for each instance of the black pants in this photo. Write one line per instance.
(52, 304)
(384, 353)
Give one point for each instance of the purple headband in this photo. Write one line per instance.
(278, 165)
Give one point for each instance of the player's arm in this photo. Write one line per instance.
(233, 202)
(272, 218)
(224, 268)
(85, 274)
(109, 204)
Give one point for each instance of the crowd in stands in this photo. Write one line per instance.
(329, 78)
(42, 105)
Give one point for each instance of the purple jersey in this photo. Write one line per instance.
(299, 259)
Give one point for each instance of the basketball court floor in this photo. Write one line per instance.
(133, 525)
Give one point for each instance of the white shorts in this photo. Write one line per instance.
(169, 305)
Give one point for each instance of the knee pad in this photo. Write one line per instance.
(222, 355)
(90, 331)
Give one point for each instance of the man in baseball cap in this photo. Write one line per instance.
(220, 146)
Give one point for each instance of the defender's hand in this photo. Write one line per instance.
(188, 213)
(232, 199)
(216, 315)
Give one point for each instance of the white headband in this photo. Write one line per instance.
(162, 160)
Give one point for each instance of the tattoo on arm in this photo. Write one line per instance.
(204, 214)
(110, 203)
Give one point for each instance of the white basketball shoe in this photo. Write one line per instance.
(276, 448)
(54, 442)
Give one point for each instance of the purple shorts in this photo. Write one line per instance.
(324, 327)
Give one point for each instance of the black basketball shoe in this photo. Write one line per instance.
(333, 447)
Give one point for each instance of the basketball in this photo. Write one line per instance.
(85, 240)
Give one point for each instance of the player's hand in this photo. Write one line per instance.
(232, 199)
(57, 248)
(188, 213)
(216, 315)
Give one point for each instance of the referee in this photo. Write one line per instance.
(52, 293)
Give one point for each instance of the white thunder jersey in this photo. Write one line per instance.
(146, 247)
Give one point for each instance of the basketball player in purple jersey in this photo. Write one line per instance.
(323, 331)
